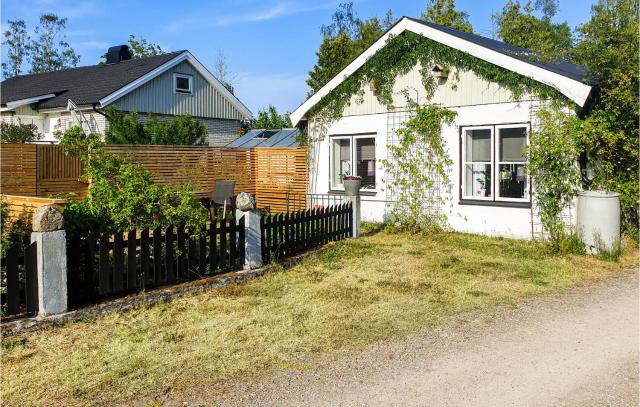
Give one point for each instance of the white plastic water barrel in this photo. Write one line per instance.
(598, 219)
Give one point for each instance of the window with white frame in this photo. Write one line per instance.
(182, 83)
(353, 155)
(493, 163)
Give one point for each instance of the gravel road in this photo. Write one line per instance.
(579, 348)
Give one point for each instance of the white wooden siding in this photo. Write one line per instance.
(157, 96)
(468, 90)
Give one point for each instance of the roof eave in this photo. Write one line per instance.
(21, 102)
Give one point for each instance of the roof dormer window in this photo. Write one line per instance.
(182, 83)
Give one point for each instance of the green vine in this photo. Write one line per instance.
(418, 165)
(553, 152)
(400, 54)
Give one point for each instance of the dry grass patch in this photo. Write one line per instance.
(349, 295)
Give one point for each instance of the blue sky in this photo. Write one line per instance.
(270, 44)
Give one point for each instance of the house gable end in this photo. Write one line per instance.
(158, 96)
(570, 87)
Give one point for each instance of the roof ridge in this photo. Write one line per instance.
(527, 54)
(94, 66)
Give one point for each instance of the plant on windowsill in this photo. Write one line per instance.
(352, 185)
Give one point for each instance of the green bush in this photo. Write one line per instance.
(11, 231)
(122, 195)
(19, 133)
(568, 243)
(128, 129)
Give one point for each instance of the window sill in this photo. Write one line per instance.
(504, 204)
(362, 192)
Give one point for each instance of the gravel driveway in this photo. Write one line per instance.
(579, 348)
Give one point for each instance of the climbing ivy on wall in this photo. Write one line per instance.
(418, 165)
(400, 54)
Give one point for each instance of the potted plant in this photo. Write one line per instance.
(352, 185)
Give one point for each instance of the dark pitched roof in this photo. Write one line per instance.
(83, 85)
(561, 67)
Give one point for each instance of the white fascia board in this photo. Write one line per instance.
(185, 56)
(202, 70)
(299, 113)
(21, 102)
(571, 88)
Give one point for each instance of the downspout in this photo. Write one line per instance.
(100, 112)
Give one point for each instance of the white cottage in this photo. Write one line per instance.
(489, 192)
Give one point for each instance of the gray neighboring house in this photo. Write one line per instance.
(170, 84)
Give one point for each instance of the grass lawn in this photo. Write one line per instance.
(347, 296)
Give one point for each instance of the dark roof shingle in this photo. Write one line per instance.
(561, 67)
(83, 85)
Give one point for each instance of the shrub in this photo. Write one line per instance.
(19, 133)
(122, 195)
(553, 153)
(12, 230)
(178, 130)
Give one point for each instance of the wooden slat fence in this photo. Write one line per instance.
(122, 263)
(18, 169)
(19, 290)
(269, 173)
(22, 207)
(58, 173)
(280, 172)
(175, 165)
(286, 234)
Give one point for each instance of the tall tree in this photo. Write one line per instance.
(549, 8)
(517, 25)
(15, 40)
(343, 40)
(222, 72)
(269, 118)
(607, 45)
(50, 51)
(141, 48)
(444, 12)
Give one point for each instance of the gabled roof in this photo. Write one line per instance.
(99, 84)
(567, 78)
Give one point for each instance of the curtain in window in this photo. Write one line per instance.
(366, 161)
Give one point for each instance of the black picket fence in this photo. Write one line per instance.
(113, 265)
(285, 234)
(19, 290)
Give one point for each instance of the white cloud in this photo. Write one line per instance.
(285, 91)
(279, 9)
(95, 44)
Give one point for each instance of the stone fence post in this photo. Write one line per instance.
(246, 206)
(355, 207)
(48, 233)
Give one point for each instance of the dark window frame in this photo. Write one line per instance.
(182, 91)
(494, 160)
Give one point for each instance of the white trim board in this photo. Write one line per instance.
(571, 88)
(21, 102)
(184, 56)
